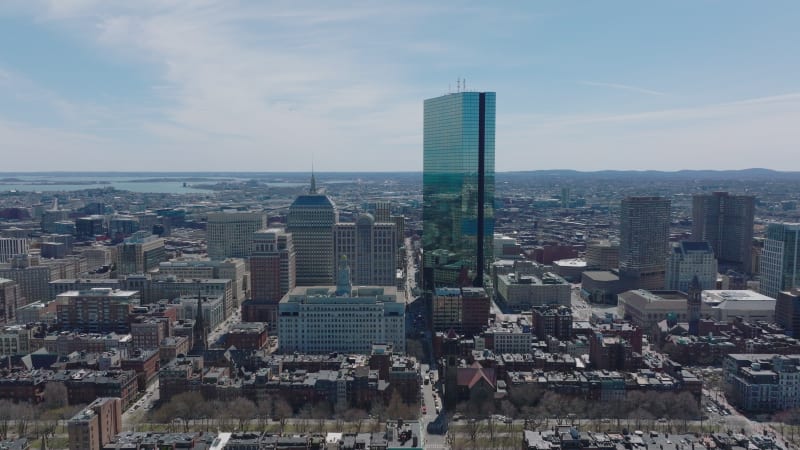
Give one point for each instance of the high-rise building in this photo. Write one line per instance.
(140, 253)
(688, 260)
(96, 310)
(458, 185)
(88, 228)
(310, 221)
(644, 233)
(726, 222)
(787, 311)
(10, 300)
(32, 280)
(272, 275)
(12, 246)
(370, 248)
(780, 259)
(230, 233)
(464, 310)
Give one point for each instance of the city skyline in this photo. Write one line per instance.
(277, 86)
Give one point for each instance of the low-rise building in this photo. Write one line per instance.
(522, 292)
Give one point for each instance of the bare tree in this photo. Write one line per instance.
(24, 413)
(6, 416)
(55, 395)
(242, 409)
(282, 411)
(473, 429)
(491, 427)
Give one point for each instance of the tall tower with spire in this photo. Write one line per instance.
(311, 220)
(313, 189)
(694, 301)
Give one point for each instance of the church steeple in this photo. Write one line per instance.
(200, 334)
(694, 304)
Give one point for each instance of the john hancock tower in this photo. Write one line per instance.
(458, 188)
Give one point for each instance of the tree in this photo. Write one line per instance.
(55, 395)
(23, 414)
(396, 409)
(282, 411)
(473, 428)
(6, 416)
(242, 409)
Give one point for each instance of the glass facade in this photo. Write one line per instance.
(458, 187)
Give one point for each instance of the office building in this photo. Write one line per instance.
(690, 259)
(32, 280)
(10, 300)
(552, 320)
(272, 275)
(458, 187)
(644, 233)
(780, 259)
(201, 269)
(53, 250)
(521, 291)
(787, 312)
(12, 246)
(341, 318)
(602, 255)
(121, 227)
(89, 228)
(726, 222)
(310, 221)
(370, 248)
(230, 233)
(98, 310)
(465, 310)
(140, 253)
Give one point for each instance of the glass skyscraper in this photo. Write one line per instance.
(458, 188)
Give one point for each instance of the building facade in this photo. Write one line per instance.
(644, 234)
(465, 310)
(272, 275)
(780, 259)
(12, 246)
(10, 300)
(328, 319)
(458, 183)
(230, 233)
(140, 253)
(96, 310)
(371, 249)
(690, 259)
(310, 221)
(726, 222)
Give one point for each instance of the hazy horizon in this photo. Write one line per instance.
(219, 85)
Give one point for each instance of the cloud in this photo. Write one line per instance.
(728, 135)
(624, 87)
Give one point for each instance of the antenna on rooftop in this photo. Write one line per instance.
(458, 84)
(465, 85)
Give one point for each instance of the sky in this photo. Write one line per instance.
(205, 85)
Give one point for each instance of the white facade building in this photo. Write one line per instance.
(688, 259)
(327, 319)
(230, 233)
